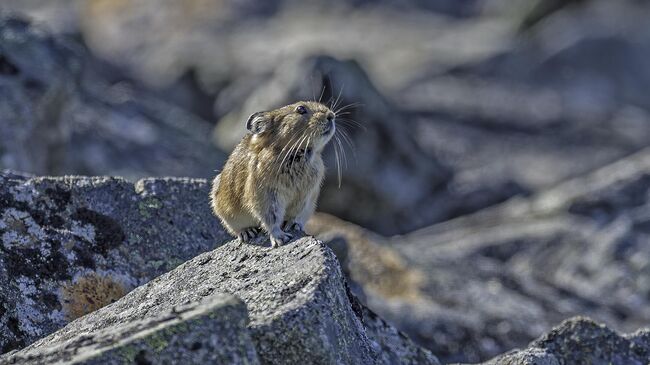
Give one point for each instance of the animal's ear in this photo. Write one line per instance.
(257, 122)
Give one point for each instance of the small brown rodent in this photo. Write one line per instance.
(273, 177)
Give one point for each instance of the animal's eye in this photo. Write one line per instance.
(301, 109)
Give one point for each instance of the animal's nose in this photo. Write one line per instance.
(330, 116)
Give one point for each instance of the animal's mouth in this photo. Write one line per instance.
(329, 128)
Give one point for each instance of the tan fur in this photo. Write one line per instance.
(274, 175)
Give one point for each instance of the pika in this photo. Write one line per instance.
(272, 179)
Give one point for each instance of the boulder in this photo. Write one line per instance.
(159, 41)
(63, 112)
(70, 245)
(581, 341)
(299, 307)
(547, 107)
(501, 277)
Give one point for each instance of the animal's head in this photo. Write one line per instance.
(305, 124)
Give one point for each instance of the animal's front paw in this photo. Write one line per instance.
(292, 226)
(279, 238)
(249, 234)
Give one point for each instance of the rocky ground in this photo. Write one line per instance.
(79, 257)
(500, 277)
(498, 184)
(71, 246)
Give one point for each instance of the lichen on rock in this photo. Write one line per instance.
(212, 330)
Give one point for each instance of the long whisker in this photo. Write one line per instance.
(321, 93)
(288, 153)
(345, 156)
(313, 93)
(347, 138)
(348, 141)
(284, 149)
(293, 158)
(349, 106)
(307, 145)
(338, 97)
(351, 123)
(338, 165)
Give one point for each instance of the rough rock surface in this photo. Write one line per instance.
(299, 307)
(581, 341)
(70, 245)
(64, 113)
(210, 331)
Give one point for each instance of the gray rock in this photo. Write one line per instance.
(499, 278)
(300, 310)
(62, 112)
(545, 109)
(73, 244)
(581, 341)
(212, 330)
(158, 42)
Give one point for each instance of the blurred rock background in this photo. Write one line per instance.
(463, 105)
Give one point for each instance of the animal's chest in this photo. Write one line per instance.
(301, 172)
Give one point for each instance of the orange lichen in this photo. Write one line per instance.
(89, 293)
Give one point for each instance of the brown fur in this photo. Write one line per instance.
(275, 173)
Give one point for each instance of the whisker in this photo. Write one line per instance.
(293, 158)
(288, 153)
(349, 106)
(338, 165)
(345, 155)
(351, 123)
(350, 144)
(285, 147)
(321, 93)
(345, 136)
(338, 97)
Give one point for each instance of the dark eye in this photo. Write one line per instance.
(301, 109)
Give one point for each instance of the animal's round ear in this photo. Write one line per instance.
(256, 123)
